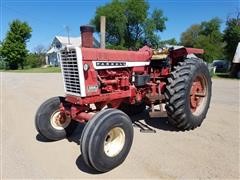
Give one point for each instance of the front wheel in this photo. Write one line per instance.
(106, 140)
(50, 123)
(188, 94)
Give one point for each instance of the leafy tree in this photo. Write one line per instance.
(212, 30)
(2, 62)
(207, 36)
(40, 52)
(37, 58)
(188, 38)
(211, 40)
(172, 41)
(33, 60)
(128, 23)
(211, 50)
(232, 36)
(13, 48)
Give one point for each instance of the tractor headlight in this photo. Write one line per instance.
(85, 67)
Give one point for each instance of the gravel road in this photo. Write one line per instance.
(210, 151)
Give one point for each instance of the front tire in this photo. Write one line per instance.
(188, 94)
(106, 140)
(50, 123)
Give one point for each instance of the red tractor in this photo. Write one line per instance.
(104, 87)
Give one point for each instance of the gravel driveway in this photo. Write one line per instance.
(210, 151)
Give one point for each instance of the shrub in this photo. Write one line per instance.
(33, 61)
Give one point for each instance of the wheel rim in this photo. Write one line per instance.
(114, 142)
(59, 121)
(198, 95)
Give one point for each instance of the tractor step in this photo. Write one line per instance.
(158, 114)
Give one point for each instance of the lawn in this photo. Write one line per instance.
(36, 70)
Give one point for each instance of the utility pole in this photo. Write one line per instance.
(102, 31)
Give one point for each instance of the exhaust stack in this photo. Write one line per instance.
(87, 36)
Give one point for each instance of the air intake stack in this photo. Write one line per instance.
(87, 36)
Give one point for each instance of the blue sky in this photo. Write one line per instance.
(50, 17)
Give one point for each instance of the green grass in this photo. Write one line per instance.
(36, 70)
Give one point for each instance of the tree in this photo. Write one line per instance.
(171, 41)
(33, 60)
(36, 58)
(13, 48)
(2, 62)
(211, 50)
(189, 37)
(128, 23)
(40, 52)
(40, 49)
(211, 40)
(207, 36)
(232, 36)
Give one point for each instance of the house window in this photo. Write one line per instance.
(58, 45)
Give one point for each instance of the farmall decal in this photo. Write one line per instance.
(118, 64)
(111, 64)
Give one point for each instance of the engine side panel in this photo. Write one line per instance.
(94, 54)
(91, 72)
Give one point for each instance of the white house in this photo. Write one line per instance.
(52, 57)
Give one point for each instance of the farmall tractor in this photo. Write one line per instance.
(104, 87)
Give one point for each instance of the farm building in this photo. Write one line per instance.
(52, 57)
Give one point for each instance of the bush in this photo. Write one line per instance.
(33, 61)
(2, 64)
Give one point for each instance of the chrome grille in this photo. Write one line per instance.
(69, 66)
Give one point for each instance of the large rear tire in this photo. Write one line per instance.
(50, 123)
(188, 94)
(106, 140)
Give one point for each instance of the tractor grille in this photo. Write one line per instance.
(69, 65)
